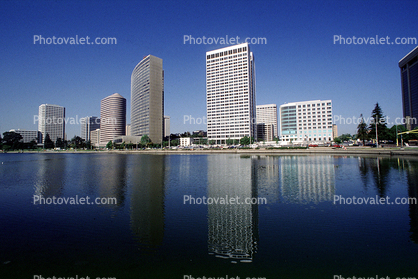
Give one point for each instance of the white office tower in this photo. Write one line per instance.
(51, 121)
(304, 122)
(230, 93)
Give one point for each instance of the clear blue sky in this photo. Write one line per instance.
(299, 62)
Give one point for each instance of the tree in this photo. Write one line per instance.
(245, 141)
(77, 142)
(345, 137)
(175, 142)
(12, 141)
(401, 128)
(185, 135)
(109, 145)
(32, 144)
(229, 141)
(211, 142)
(48, 143)
(145, 140)
(337, 140)
(59, 143)
(1, 143)
(362, 131)
(88, 144)
(379, 118)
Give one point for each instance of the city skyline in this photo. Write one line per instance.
(300, 61)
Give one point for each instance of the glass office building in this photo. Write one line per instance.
(409, 81)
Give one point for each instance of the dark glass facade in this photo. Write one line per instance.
(409, 81)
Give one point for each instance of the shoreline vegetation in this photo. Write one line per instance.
(261, 151)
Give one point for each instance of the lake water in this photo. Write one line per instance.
(296, 230)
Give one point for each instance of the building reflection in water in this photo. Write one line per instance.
(147, 199)
(113, 179)
(50, 179)
(305, 179)
(378, 169)
(232, 228)
(412, 177)
(267, 177)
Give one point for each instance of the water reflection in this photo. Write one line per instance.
(147, 199)
(113, 179)
(50, 176)
(305, 179)
(232, 228)
(412, 177)
(378, 169)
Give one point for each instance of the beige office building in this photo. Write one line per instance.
(147, 99)
(113, 118)
(267, 115)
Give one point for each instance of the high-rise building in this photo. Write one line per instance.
(95, 138)
(166, 126)
(334, 130)
(267, 114)
(409, 81)
(88, 124)
(265, 132)
(147, 99)
(230, 93)
(51, 121)
(309, 121)
(112, 118)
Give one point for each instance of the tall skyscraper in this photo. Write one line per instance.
(230, 93)
(267, 115)
(166, 126)
(88, 124)
(147, 99)
(51, 121)
(409, 81)
(112, 118)
(309, 121)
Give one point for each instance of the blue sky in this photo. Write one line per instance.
(299, 62)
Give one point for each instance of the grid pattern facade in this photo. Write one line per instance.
(28, 136)
(147, 99)
(267, 114)
(88, 124)
(306, 179)
(166, 126)
(265, 132)
(52, 122)
(306, 121)
(232, 228)
(230, 93)
(409, 82)
(112, 118)
(95, 138)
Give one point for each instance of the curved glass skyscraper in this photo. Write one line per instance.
(147, 99)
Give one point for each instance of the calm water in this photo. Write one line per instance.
(151, 233)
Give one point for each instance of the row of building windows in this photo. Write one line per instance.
(227, 52)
